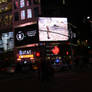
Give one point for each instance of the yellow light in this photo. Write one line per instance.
(31, 58)
(18, 59)
(26, 56)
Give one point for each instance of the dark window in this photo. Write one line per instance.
(36, 11)
(16, 16)
(16, 4)
(36, 1)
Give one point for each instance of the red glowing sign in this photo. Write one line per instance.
(37, 54)
(55, 50)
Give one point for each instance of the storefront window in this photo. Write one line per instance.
(29, 13)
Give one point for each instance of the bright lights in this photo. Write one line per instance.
(57, 60)
(26, 56)
(88, 17)
(25, 62)
(56, 50)
(18, 59)
(37, 54)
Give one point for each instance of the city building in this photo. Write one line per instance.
(16, 14)
(25, 12)
(6, 32)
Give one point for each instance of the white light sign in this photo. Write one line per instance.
(53, 29)
(31, 33)
(25, 52)
(20, 35)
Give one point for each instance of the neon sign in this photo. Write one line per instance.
(56, 50)
(25, 52)
(26, 56)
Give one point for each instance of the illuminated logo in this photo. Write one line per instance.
(20, 35)
(31, 33)
(56, 50)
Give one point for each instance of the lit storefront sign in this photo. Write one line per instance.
(26, 56)
(22, 54)
(25, 52)
(26, 35)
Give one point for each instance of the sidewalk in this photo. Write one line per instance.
(62, 82)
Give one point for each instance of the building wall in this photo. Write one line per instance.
(5, 15)
(25, 11)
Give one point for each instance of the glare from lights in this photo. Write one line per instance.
(57, 60)
(88, 17)
(25, 62)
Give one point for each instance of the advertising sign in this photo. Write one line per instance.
(26, 35)
(53, 29)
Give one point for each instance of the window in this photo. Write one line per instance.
(10, 19)
(6, 18)
(29, 13)
(36, 11)
(36, 1)
(9, 6)
(0, 11)
(28, 3)
(16, 16)
(22, 3)
(22, 14)
(16, 4)
(2, 1)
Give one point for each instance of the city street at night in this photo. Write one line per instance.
(45, 46)
(62, 81)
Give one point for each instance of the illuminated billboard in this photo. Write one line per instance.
(53, 29)
(7, 41)
(26, 35)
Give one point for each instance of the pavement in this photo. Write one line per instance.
(61, 82)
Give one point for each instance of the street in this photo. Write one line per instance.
(62, 81)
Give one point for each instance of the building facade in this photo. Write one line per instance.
(6, 32)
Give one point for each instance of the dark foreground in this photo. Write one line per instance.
(62, 82)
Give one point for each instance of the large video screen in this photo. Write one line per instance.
(53, 29)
